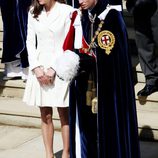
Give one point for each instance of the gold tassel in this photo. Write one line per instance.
(89, 93)
(95, 105)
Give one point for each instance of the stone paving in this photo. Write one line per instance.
(19, 142)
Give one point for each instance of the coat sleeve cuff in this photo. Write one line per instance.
(34, 66)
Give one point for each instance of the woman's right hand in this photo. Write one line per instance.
(41, 77)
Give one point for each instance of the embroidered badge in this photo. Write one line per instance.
(106, 40)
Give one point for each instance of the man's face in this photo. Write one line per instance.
(87, 4)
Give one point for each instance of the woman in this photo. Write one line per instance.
(48, 24)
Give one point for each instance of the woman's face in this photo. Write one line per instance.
(44, 2)
(87, 4)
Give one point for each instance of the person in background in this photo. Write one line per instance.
(145, 14)
(103, 119)
(48, 26)
(73, 3)
(14, 53)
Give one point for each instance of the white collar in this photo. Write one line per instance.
(103, 15)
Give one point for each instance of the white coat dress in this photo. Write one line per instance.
(50, 32)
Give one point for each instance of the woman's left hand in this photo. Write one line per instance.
(50, 73)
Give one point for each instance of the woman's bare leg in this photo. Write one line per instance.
(47, 130)
(64, 118)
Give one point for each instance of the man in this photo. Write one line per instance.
(104, 126)
(14, 16)
(145, 20)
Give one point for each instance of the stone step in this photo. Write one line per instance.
(138, 68)
(8, 88)
(12, 137)
(147, 114)
(147, 125)
(144, 100)
(14, 112)
(140, 77)
(1, 66)
(11, 88)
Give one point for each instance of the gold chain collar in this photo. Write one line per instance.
(92, 43)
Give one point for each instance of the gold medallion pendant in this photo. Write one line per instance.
(106, 40)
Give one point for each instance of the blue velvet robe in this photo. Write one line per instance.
(14, 16)
(113, 131)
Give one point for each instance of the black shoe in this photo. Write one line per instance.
(147, 90)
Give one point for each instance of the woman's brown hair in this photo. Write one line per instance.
(37, 8)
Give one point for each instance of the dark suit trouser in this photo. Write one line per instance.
(147, 45)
